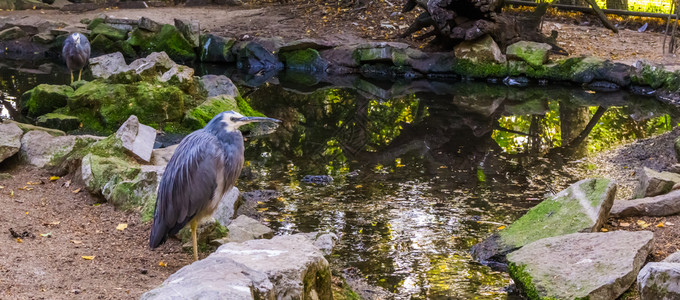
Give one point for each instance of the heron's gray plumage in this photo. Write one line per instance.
(76, 51)
(203, 168)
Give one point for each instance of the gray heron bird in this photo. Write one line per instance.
(203, 168)
(76, 52)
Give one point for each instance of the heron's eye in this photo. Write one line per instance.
(234, 119)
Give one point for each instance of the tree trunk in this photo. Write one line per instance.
(573, 119)
(617, 4)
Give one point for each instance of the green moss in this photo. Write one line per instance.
(656, 77)
(303, 60)
(102, 44)
(106, 106)
(245, 109)
(58, 121)
(110, 32)
(168, 39)
(94, 23)
(469, 68)
(552, 217)
(147, 210)
(45, 98)
(523, 280)
(560, 70)
(596, 190)
(198, 117)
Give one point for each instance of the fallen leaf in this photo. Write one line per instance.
(11, 193)
(52, 223)
(358, 186)
(669, 224)
(26, 212)
(54, 178)
(1, 187)
(19, 240)
(624, 224)
(501, 227)
(49, 234)
(162, 264)
(67, 183)
(660, 225)
(88, 257)
(76, 191)
(604, 229)
(76, 242)
(121, 226)
(642, 224)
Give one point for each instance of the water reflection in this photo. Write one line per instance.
(422, 177)
(423, 169)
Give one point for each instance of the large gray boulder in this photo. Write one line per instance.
(285, 267)
(653, 183)
(659, 281)
(580, 265)
(10, 140)
(161, 156)
(662, 205)
(245, 229)
(138, 139)
(582, 207)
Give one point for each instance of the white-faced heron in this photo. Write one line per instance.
(203, 168)
(76, 52)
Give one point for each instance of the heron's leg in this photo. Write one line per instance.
(71, 76)
(80, 73)
(193, 238)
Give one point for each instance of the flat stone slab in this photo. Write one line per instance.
(582, 207)
(580, 265)
(285, 267)
(138, 139)
(659, 281)
(10, 140)
(663, 205)
(653, 183)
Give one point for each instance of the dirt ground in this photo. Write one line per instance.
(379, 20)
(48, 232)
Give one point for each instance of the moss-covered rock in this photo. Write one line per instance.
(654, 76)
(105, 106)
(533, 53)
(469, 68)
(168, 39)
(58, 121)
(110, 32)
(11, 33)
(101, 44)
(45, 98)
(198, 117)
(94, 23)
(216, 48)
(582, 207)
(303, 60)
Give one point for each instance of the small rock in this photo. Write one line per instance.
(483, 49)
(138, 139)
(58, 121)
(161, 156)
(154, 64)
(673, 258)
(659, 281)
(10, 140)
(190, 30)
(43, 38)
(326, 242)
(675, 168)
(12, 33)
(215, 48)
(244, 229)
(226, 209)
(144, 271)
(658, 206)
(178, 73)
(149, 25)
(106, 65)
(217, 85)
(653, 183)
(317, 179)
(536, 54)
(580, 265)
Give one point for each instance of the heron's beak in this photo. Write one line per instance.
(258, 119)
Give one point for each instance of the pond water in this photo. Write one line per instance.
(421, 170)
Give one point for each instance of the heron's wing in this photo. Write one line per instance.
(187, 185)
